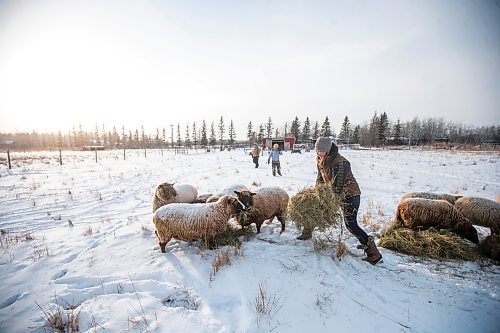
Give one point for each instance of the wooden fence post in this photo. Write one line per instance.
(60, 157)
(124, 154)
(95, 149)
(8, 158)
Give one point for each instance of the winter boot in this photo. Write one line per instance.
(373, 256)
(306, 234)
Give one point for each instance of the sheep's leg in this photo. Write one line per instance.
(162, 247)
(282, 220)
(163, 242)
(258, 227)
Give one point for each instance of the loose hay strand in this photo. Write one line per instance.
(427, 243)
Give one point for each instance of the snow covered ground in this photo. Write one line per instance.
(95, 257)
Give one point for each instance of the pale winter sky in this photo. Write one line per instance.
(156, 63)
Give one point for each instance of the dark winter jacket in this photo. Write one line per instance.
(336, 170)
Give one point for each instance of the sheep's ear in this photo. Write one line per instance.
(237, 192)
(253, 193)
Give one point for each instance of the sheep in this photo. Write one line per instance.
(434, 196)
(166, 193)
(257, 207)
(227, 191)
(421, 214)
(481, 211)
(192, 221)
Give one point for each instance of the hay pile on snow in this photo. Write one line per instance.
(429, 243)
(316, 207)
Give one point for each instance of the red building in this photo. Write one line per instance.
(285, 143)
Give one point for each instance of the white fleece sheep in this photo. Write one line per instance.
(421, 214)
(227, 191)
(166, 193)
(267, 203)
(481, 211)
(192, 221)
(428, 195)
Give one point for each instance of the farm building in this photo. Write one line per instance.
(285, 143)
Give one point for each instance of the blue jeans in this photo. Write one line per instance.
(350, 208)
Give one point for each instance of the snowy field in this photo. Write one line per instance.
(78, 239)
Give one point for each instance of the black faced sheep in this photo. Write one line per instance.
(481, 211)
(192, 221)
(166, 193)
(421, 214)
(428, 195)
(227, 191)
(257, 207)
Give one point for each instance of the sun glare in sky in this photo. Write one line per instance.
(156, 63)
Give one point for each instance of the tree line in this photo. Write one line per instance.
(378, 131)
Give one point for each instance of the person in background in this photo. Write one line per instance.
(335, 170)
(256, 154)
(274, 156)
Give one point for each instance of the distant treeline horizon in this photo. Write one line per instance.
(378, 131)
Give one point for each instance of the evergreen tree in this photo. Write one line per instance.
(306, 130)
(232, 134)
(195, 135)
(60, 140)
(269, 127)
(260, 136)
(143, 137)
(204, 140)
(325, 128)
(213, 140)
(374, 130)
(73, 133)
(116, 138)
(382, 129)
(345, 131)
(164, 137)
(104, 141)
(187, 140)
(355, 135)
(97, 136)
(136, 138)
(81, 140)
(178, 135)
(295, 128)
(222, 131)
(397, 133)
(316, 131)
(250, 132)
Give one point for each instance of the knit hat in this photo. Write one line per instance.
(323, 144)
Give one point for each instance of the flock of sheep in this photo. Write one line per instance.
(423, 210)
(178, 211)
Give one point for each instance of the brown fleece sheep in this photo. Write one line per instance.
(428, 195)
(267, 203)
(421, 214)
(166, 193)
(481, 211)
(192, 221)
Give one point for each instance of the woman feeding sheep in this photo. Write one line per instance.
(335, 170)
